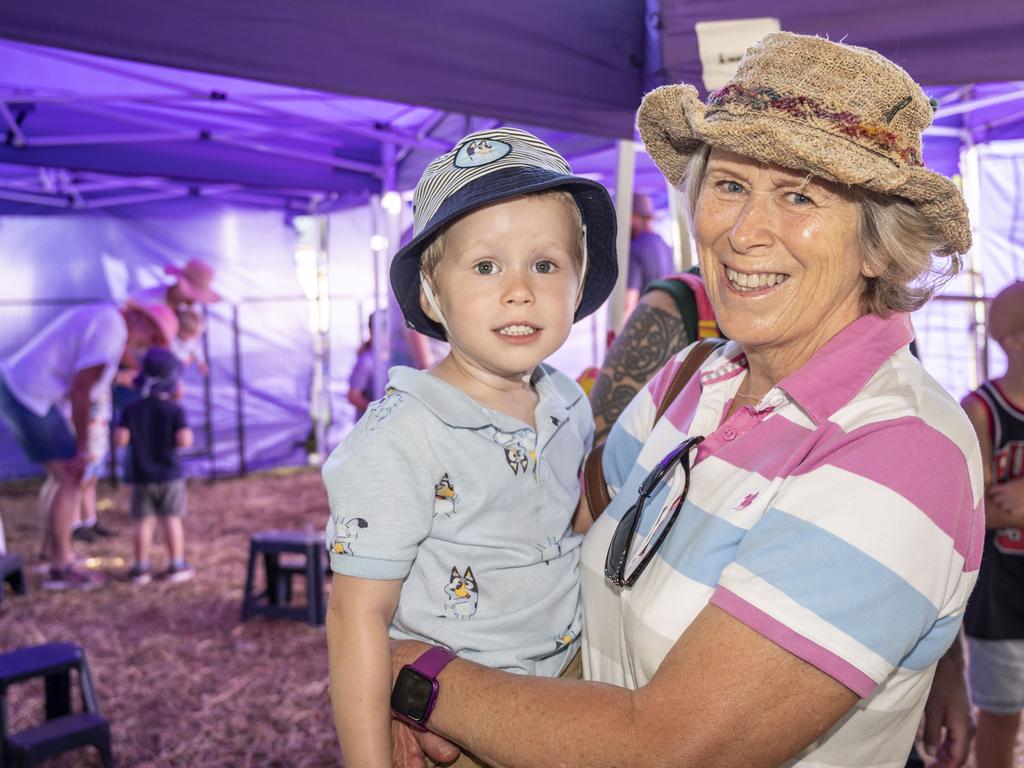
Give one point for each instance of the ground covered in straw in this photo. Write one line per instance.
(181, 679)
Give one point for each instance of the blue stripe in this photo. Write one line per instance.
(620, 455)
(700, 545)
(931, 647)
(844, 586)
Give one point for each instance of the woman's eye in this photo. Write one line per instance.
(485, 268)
(799, 199)
(732, 187)
(545, 267)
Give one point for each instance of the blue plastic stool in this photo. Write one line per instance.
(274, 601)
(63, 729)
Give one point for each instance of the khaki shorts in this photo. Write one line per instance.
(574, 671)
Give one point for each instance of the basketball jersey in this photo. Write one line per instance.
(995, 610)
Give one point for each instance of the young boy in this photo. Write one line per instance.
(155, 427)
(451, 500)
(994, 619)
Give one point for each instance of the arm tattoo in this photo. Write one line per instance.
(650, 337)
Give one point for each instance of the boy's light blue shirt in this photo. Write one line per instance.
(472, 508)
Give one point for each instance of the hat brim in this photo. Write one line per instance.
(596, 209)
(165, 340)
(192, 291)
(672, 124)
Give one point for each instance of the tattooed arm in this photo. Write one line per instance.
(652, 334)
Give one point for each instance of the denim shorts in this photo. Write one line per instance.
(996, 675)
(42, 438)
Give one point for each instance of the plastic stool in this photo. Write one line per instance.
(12, 573)
(63, 730)
(274, 601)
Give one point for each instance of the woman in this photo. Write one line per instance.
(810, 522)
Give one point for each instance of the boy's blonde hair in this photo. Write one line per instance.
(434, 251)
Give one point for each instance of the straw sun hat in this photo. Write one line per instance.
(839, 112)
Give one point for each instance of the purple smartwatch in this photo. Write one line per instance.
(415, 691)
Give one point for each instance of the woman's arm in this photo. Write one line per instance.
(651, 335)
(359, 656)
(723, 696)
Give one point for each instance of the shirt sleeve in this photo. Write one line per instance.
(863, 563)
(102, 341)
(381, 495)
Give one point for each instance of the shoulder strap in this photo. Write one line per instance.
(595, 489)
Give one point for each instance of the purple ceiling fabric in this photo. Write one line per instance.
(573, 64)
(939, 42)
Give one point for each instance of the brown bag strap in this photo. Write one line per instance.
(595, 489)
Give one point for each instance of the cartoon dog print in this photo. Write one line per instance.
(565, 639)
(550, 549)
(517, 449)
(345, 532)
(462, 595)
(382, 410)
(444, 497)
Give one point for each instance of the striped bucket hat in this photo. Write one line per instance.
(483, 168)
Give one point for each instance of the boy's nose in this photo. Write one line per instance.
(518, 291)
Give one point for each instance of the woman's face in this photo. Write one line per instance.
(780, 255)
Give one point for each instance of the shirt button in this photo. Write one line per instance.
(728, 433)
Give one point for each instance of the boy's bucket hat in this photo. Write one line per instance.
(838, 112)
(160, 371)
(483, 168)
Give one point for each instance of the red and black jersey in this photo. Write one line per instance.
(996, 608)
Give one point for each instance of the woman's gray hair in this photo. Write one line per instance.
(896, 239)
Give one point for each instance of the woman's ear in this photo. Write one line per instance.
(867, 269)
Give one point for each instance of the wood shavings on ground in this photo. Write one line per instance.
(181, 679)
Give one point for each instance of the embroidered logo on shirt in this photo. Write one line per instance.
(345, 533)
(444, 497)
(745, 502)
(462, 594)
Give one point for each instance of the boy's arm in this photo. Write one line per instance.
(359, 656)
(1004, 507)
(183, 437)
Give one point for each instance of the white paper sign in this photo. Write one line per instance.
(721, 44)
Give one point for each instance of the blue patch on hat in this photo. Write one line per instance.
(479, 152)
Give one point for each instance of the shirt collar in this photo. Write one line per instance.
(456, 409)
(836, 372)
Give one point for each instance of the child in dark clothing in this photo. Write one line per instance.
(155, 427)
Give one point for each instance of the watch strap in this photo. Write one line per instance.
(432, 661)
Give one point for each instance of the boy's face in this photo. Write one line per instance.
(507, 283)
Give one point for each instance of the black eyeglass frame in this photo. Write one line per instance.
(622, 539)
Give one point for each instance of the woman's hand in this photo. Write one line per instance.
(411, 746)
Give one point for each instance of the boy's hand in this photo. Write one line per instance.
(1008, 498)
(411, 747)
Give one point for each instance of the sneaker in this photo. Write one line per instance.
(102, 531)
(84, 533)
(177, 573)
(140, 575)
(69, 578)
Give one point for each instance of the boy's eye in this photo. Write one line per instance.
(485, 267)
(545, 267)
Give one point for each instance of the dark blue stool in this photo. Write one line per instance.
(63, 729)
(12, 573)
(275, 600)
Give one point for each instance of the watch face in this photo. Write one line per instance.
(412, 694)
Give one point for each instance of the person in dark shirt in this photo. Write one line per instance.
(155, 428)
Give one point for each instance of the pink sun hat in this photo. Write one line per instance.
(194, 280)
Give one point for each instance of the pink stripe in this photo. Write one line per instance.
(658, 386)
(832, 665)
(968, 529)
(778, 446)
(914, 460)
(680, 414)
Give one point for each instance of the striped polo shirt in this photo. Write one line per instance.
(841, 517)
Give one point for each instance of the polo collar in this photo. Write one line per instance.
(456, 409)
(836, 372)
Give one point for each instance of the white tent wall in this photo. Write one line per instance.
(946, 324)
(259, 335)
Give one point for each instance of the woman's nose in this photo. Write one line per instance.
(754, 225)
